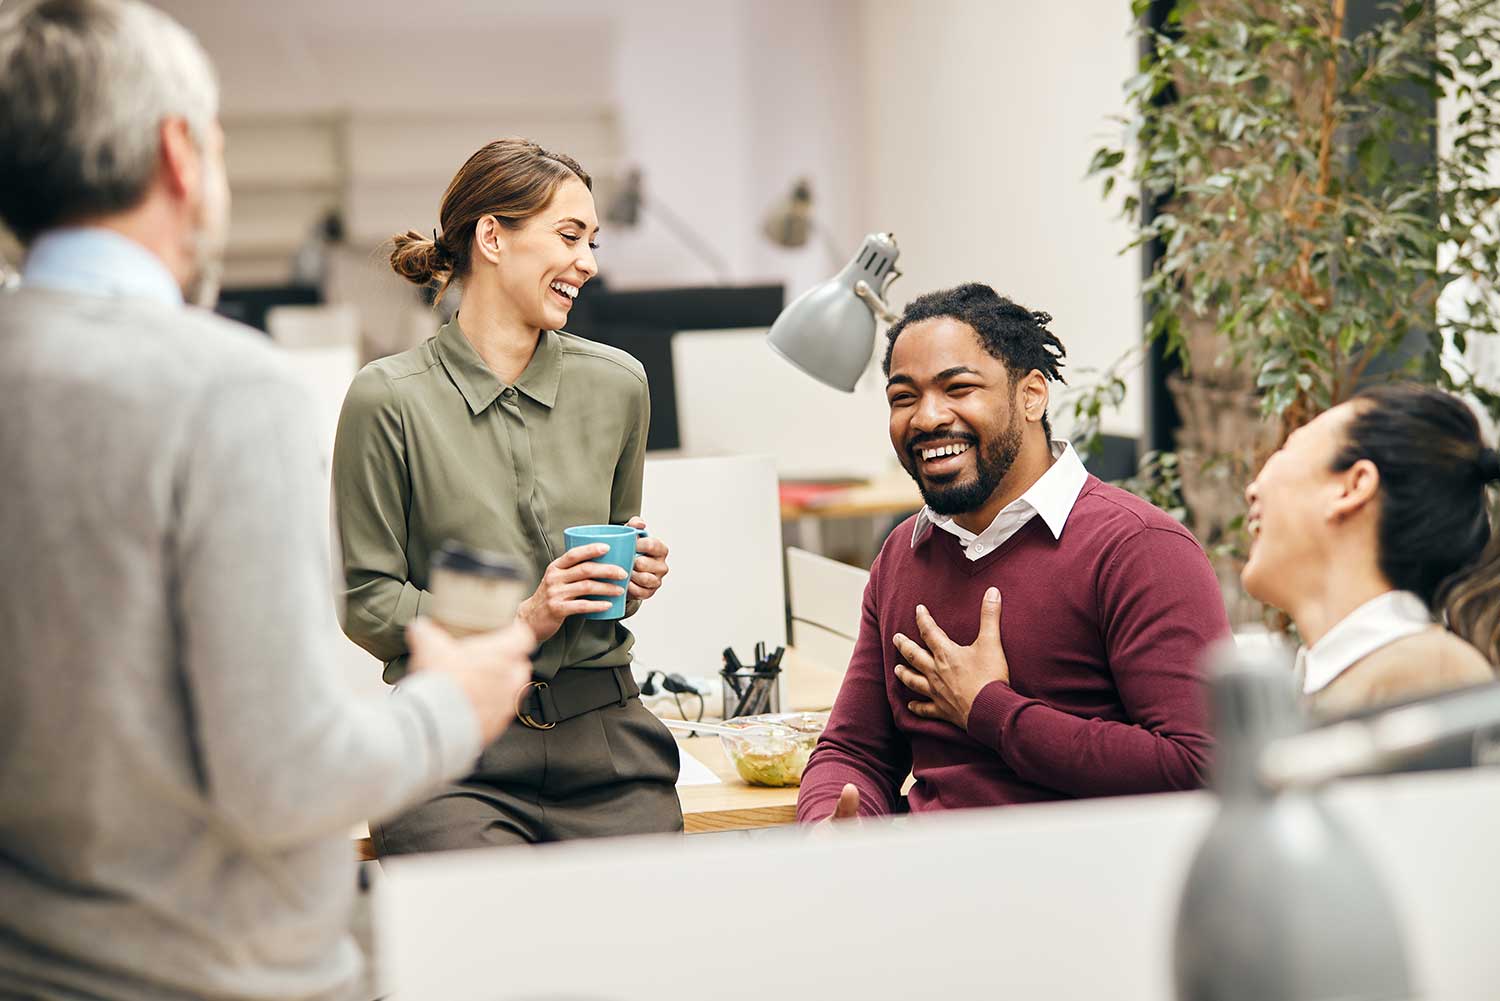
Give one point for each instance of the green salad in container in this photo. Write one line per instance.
(772, 749)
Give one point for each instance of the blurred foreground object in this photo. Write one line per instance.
(1280, 902)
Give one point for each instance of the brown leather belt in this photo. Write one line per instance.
(573, 692)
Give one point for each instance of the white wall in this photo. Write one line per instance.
(722, 103)
(982, 116)
(309, 56)
(963, 126)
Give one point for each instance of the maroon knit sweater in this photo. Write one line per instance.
(1104, 629)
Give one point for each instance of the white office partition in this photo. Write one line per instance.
(825, 597)
(736, 396)
(1068, 902)
(722, 519)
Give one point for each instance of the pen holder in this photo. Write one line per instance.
(749, 691)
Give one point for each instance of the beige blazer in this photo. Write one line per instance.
(1431, 661)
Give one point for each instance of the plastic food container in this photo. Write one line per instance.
(773, 748)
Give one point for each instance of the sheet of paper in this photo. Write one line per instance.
(694, 772)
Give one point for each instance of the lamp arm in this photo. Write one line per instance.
(684, 232)
(1362, 746)
(872, 299)
(830, 247)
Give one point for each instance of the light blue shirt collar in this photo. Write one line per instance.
(98, 262)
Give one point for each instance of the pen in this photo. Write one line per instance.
(746, 701)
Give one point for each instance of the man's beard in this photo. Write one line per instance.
(992, 462)
(207, 245)
(203, 287)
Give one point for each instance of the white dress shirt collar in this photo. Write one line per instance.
(100, 262)
(1378, 622)
(1052, 496)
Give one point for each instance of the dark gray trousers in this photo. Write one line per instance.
(609, 772)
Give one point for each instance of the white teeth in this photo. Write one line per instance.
(937, 453)
(570, 291)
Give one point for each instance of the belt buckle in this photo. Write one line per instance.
(522, 715)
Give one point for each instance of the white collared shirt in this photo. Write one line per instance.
(1052, 496)
(1380, 621)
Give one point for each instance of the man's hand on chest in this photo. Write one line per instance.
(945, 676)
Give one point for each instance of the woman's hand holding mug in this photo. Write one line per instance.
(569, 587)
(650, 564)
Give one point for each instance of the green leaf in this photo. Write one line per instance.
(1105, 159)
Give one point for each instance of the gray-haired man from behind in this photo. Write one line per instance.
(179, 766)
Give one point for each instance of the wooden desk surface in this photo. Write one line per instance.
(733, 804)
(887, 496)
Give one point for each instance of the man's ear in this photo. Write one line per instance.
(1032, 396)
(181, 159)
(1359, 485)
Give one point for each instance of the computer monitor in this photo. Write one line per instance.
(642, 322)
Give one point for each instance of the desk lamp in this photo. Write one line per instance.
(829, 330)
(1280, 901)
(791, 221)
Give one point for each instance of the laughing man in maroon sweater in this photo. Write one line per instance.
(1088, 683)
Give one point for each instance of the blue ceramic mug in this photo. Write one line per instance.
(621, 540)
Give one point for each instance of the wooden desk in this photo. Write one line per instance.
(733, 804)
(888, 496)
(849, 521)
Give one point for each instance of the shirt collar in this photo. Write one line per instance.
(480, 386)
(98, 262)
(1052, 496)
(1380, 621)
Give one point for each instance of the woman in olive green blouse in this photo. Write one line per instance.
(500, 432)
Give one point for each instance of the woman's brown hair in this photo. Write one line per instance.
(1436, 535)
(510, 179)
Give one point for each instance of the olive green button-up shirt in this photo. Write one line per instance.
(432, 446)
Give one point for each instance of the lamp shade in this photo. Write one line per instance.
(1281, 901)
(790, 221)
(829, 331)
(623, 207)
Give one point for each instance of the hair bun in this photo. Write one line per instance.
(1489, 465)
(418, 259)
(1041, 317)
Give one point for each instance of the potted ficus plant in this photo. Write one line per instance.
(1322, 206)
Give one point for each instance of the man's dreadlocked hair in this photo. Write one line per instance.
(1014, 334)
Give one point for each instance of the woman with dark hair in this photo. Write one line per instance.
(499, 433)
(1371, 528)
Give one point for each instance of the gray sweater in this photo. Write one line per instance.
(179, 765)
